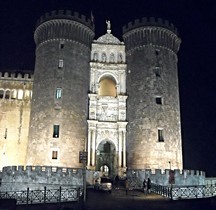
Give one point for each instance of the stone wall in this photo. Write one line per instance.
(210, 181)
(15, 105)
(58, 122)
(37, 177)
(153, 111)
(181, 177)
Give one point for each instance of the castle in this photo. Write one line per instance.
(118, 101)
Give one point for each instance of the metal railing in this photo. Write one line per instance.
(43, 196)
(185, 192)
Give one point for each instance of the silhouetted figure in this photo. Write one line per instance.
(148, 185)
(117, 181)
(144, 186)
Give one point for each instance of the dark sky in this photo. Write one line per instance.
(196, 23)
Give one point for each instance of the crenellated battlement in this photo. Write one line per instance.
(16, 76)
(19, 170)
(64, 25)
(65, 14)
(166, 171)
(36, 177)
(179, 177)
(150, 32)
(152, 21)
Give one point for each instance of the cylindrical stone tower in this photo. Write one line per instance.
(153, 113)
(58, 121)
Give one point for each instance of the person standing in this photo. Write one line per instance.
(144, 187)
(117, 182)
(148, 185)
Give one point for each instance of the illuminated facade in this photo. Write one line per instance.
(119, 101)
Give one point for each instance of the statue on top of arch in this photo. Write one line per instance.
(108, 26)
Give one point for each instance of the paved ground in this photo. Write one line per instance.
(134, 200)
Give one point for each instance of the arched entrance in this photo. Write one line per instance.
(106, 158)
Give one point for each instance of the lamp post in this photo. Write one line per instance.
(83, 159)
(84, 181)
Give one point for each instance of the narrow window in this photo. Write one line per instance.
(14, 94)
(1, 93)
(112, 58)
(160, 135)
(60, 63)
(7, 94)
(157, 52)
(5, 136)
(120, 58)
(95, 57)
(20, 94)
(157, 71)
(61, 45)
(55, 131)
(54, 155)
(103, 57)
(58, 94)
(158, 100)
(27, 94)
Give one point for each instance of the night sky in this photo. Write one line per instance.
(196, 23)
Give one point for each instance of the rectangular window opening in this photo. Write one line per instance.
(158, 100)
(160, 135)
(54, 155)
(157, 70)
(55, 131)
(60, 63)
(58, 94)
(157, 52)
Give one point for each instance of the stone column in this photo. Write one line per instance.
(124, 148)
(117, 89)
(93, 147)
(120, 149)
(89, 148)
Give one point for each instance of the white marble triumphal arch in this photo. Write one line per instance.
(107, 106)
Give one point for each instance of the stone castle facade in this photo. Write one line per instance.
(118, 101)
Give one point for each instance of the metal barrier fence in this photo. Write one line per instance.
(43, 196)
(185, 192)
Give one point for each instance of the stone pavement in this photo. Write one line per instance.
(136, 200)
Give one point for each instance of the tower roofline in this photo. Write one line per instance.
(152, 21)
(65, 14)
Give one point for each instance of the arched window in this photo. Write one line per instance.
(27, 94)
(107, 87)
(103, 57)
(20, 94)
(7, 94)
(95, 57)
(1, 93)
(112, 58)
(120, 59)
(14, 94)
(30, 94)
